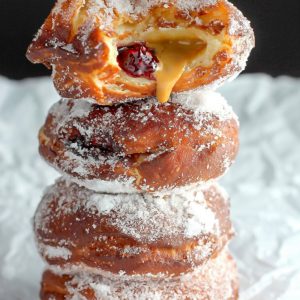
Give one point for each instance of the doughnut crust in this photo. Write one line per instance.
(142, 145)
(80, 41)
(161, 233)
(217, 280)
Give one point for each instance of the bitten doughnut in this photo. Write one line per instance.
(142, 145)
(113, 51)
(159, 233)
(217, 280)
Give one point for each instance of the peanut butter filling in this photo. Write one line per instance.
(177, 51)
(174, 50)
(174, 56)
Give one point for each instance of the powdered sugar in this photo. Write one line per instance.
(67, 111)
(205, 102)
(144, 217)
(199, 103)
(126, 185)
(195, 108)
(134, 7)
(216, 280)
(104, 12)
(108, 137)
(106, 186)
(54, 252)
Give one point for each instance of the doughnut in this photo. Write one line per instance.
(156, 233)
(141, 145)
(217, 280)
(114, 51)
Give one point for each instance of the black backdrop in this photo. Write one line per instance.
(276, 23)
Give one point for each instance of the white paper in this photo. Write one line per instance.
(264, 185)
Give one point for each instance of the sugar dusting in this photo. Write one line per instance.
(54, 252)
(190, 110)
(144, 217)
(134, 7)
(123, 185)
(216, 280)
(105, 11)
(205, 102)
(199, 103)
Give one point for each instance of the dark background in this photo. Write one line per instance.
(276, 24)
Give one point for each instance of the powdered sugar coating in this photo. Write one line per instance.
(54, 252)
(205, 102)
(106, 12)
(127, 186)
(106, 186)
(142, 6)
(133, 8)
(161, 234)
(197, 102)
(196, 107)
(217, 280)
(89, 140)
(146, 218)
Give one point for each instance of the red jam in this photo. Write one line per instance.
(137, 60)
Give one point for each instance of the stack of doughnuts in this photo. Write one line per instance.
(140, 139)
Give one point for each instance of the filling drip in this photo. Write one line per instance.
(174, 56)
(170, 56)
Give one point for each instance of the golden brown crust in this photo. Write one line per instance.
(153, 146)
(135, 234)
(79, 40)
(216, 281)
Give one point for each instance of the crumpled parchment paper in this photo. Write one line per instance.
(264, 185)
